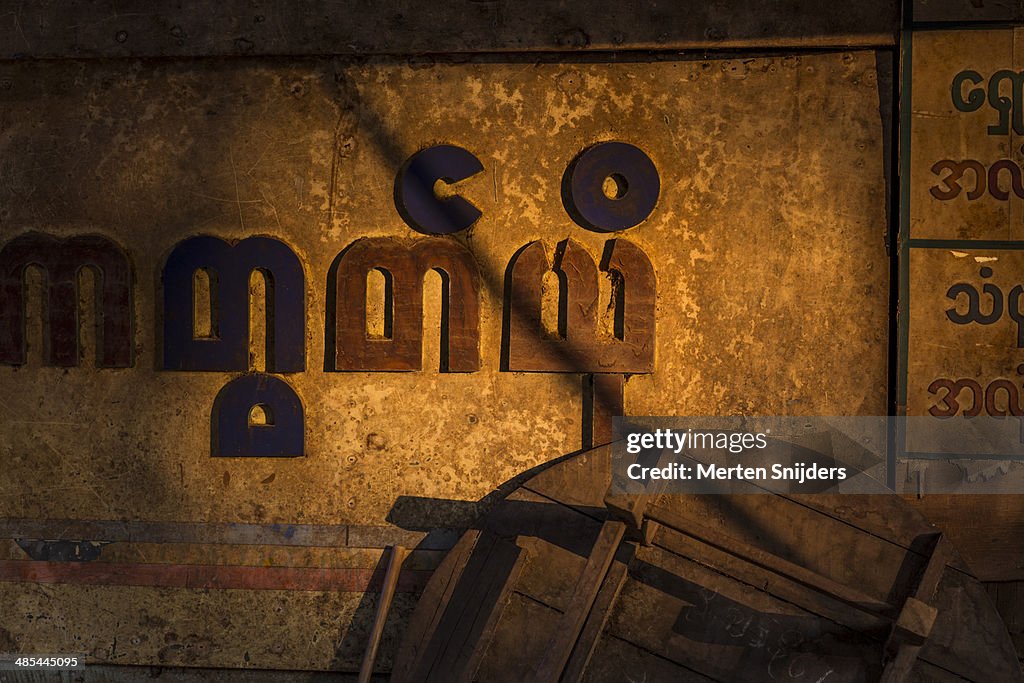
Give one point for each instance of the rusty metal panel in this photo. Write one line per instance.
(83, 29)
(769, 297)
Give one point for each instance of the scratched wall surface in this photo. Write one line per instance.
(767, 242)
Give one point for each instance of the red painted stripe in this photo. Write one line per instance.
(208, 576)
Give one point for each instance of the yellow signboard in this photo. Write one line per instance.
(962, 284)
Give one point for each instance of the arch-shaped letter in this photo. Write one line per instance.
(415, 200)
(635, 175)
(231, 435)
(62, 259)
(233, 265)
(582, 350)
(407, 264)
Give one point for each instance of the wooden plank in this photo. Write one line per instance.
(928, 584)
(582, 601)
(619, 660)
(981, 652)
(1008, 597)
(471, 638)
(525, 513)
(387, 593)
(718, 626)
(984, 529)
(769, 561)
(520, 640)
(873, 563)
(313, 535)
(515, 649)
(582, 653)
(929, 673)
(916, 621)
(239, 555)
(879, 515)
(898, 669)
(632, 507)
(382, 536)
(814, 599)
(471, 614)
(553, 581)
(81, 29)
(431, 608)
(176, 532)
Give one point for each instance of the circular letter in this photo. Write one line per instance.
(610, 186)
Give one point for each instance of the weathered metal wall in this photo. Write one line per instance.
(772, 298)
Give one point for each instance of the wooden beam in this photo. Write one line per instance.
(587, 587)
(387, 593)
(467, 616)
(815, 600)
(420, 632)
(596, 620)
(769, 561)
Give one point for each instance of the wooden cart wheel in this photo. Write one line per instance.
(550, 585)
